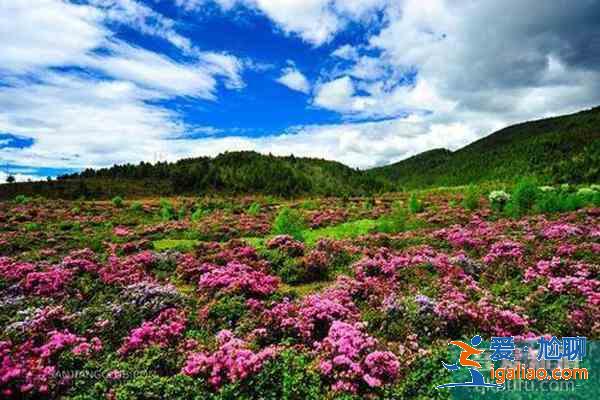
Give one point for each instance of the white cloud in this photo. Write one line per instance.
(315, 21)
(144, 19)
(41, 33)
(346, 52)
(294, 79)
(81, 119)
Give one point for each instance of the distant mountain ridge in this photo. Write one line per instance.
(560, 149)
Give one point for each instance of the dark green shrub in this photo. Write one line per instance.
(471, 198)
(395, 222)
(289, 376)
(415, 205)
(254, 209)
(226, 312)
(21, 199)
(167, 210)
(117, 201)
(136, 206)
(523, 198)
(289, 222)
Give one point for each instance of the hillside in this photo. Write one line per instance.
(561, 149)
(231, 172)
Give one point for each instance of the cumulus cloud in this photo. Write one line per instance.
(294, 79)
(531, 64)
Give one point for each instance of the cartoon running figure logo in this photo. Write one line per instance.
(465, 361)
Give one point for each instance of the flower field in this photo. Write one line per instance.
(255, 297)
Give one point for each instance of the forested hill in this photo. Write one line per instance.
(243, 172)
(561, 149)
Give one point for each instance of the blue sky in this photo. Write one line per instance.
(91, 83)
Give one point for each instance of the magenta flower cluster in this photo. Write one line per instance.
(231, 362)
(348, 357)
(238, 278)
(162, 331)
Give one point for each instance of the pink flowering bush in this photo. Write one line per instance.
(560, 230)
(504, 250)
(287, 245)
(30, 369)
(349, 359)
(233, 361)
(13, 271)
(311, 318)
(48, 282)
(238, 278)
(162, 331)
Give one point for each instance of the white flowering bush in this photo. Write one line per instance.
(498, 199)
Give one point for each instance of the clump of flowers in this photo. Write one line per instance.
(286, 244)
(127, 270)
(13, 270)
(498, 199)
(560, 230)
(238, 278)
(162, 331)
(350, 360)
(312, 317)
(506, 249)
(152, 297)
(233, 361)
(29, 369)
(121, 231)
(48, 282)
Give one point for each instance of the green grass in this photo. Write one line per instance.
(172, 244)
(347, 230)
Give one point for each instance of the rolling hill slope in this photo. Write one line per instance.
(561, 149)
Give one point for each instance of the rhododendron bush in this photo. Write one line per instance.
(100, 301)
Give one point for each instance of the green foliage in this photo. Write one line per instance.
(226, 312)
(424, 374)
(32, 226)
(182, 212)
(395, 222)
(254, 209)
(173, 244)
(369, 203)
(136, 206)
(117, 201)
(21, 199)
(289, 222)
(290, 376)
(347, 230)
(167, 210)
(523, 198)
(471, 198)
(415, 205)
(199, 213)
(309, 205)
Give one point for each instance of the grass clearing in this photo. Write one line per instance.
(173, 244)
